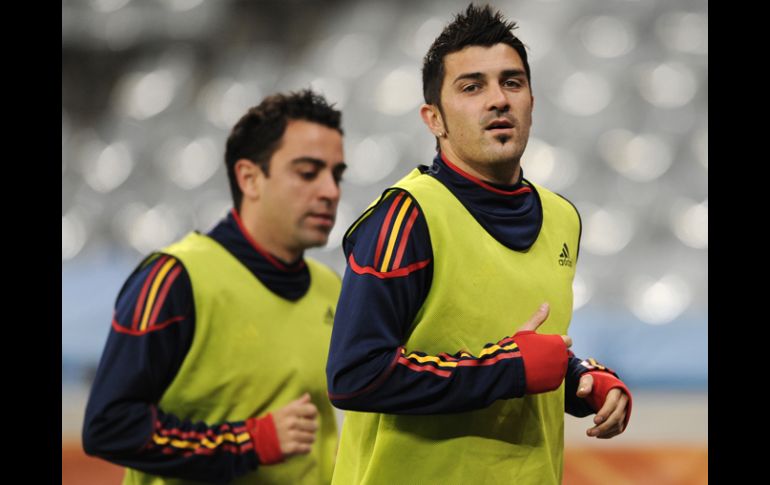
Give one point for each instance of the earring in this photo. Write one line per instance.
(441, 134)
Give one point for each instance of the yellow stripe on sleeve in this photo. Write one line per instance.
(394, 234)
(430, 358)
(495, 348)
(154, 291)
(443, 363)
(194, 445)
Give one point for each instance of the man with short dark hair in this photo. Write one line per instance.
(442, 269)
(213, 369)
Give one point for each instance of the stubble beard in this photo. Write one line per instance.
(504, 143)
(315, 236)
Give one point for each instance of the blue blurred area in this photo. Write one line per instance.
(89, 289)
(672, 356)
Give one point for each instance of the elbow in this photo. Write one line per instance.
(99, 437)
(91, 440)
(338, 396)
(113, 434)
(356, 384)
(340, 402)
(343, 394)
(350, 395)
(339, 382)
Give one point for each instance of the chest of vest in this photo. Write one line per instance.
(481, 292)
(253, 352)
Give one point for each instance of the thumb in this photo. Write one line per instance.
(537, 318)
(305, 398)
(585, 386)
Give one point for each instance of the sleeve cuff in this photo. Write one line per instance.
(545, 360)
(265, 438)
(603, 383)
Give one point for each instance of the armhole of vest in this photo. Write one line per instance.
(139, 267)
(384, 196)
(148, 260)
(580, 225)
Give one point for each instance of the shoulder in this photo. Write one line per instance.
(382, 210)
(390, 239)
(554, 200)
(159, 289)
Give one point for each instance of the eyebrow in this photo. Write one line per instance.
(478, 75)
(317, 162)
(313, 161)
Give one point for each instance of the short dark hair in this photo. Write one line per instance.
(475, 26)
(258, 133)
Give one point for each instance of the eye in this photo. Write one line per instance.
(337, 174)
(308, 175)
(470, 88)
(512, 83)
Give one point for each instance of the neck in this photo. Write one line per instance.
(504, 172)
(255, 228)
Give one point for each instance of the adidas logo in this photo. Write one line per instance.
(329, 317)
(564, 258)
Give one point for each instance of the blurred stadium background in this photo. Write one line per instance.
(150, 89)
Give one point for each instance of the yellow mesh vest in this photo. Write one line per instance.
(253, 352)
(481, 291)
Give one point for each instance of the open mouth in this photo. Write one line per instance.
(499, 125)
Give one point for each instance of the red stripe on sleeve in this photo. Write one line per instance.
(130, 331)
(384, 229)
(493, 360)
(202, 450)
(505, 341)
(163, 292)
(140, 303)
(234, 449)
(404, 237)
(426, 368)
(482, 362)
(388, 274)
(198, 436)
(447, 357)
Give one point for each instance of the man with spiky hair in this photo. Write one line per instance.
(439, 385)
(213, 369)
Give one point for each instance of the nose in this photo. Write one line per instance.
(497, 100)
(329, 190)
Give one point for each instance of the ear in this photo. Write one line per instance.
(431, 116)
(249, 175)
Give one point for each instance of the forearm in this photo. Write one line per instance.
(417, 383)
(139, 436)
